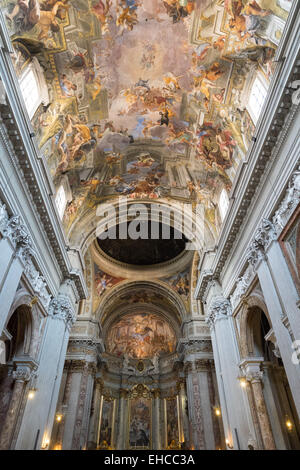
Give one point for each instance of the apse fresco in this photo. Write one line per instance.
(140, 423)
(147, 98)
(141, 336)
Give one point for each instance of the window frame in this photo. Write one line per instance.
(223, 204)
(263, 86)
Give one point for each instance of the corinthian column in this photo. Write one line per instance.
(254, 375)
(156, 427)
(22, 376)
(197, 357)
(184, 419)
(95, 415)
(121, 419)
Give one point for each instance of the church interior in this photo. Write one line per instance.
(154, 110)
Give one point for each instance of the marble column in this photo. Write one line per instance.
(22, 375)
(121, 436)
(236, 414)
(183, 413)
(254, 375)
(95, 415)
(58, 429)
(156, 439)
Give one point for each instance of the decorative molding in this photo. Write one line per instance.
(194, 346)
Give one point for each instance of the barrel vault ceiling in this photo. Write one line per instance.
(147, 98)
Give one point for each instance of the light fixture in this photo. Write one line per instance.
(228, 444)
(58, 417)
(243, 382)
(289, 424)
(217, 412)
(31, 393)
(45, 443)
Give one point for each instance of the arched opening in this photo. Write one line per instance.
(261, 344)
(17, 339)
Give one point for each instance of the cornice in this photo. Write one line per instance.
(16, 133)
(275, 122)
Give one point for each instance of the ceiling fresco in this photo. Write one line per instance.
(141, 336)
(180, 283)
(147, 98)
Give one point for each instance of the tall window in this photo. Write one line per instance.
(223, 203)
(61, 201)
(30, 91)
(257, 97)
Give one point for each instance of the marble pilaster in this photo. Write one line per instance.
(236, 414)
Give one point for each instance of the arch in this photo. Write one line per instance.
(82, 233)
(246, 323)
(30, 320)
(172, 309)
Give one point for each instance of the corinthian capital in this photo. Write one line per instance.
(254, 376)
(262, 239)
(22, 374)
(19, 236)
(61, 307)
(219, 308)
(251, 369)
